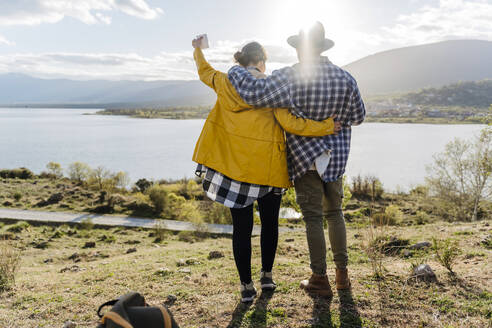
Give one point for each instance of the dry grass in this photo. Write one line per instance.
(43, 296)
(9, 263)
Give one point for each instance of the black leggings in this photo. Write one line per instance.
(242, 220)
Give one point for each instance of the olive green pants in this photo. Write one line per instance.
(318, 200)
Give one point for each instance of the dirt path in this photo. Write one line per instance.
(114, 220)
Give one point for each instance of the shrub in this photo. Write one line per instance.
(289, 200)
(347, 195)
(368, 187)
(17, 196)
(20, 173)
(190, 189)
(143, 184)
(121, 180)
(98, 177)
(9, 263)
(79, 171)
(55, 169)
(160, 231)
(392, 215)
(187, 236)
(422, 191)
(108, 238)
(188, 211)
(19, 226)
(460, 177)
(86, 224)
(218, 213)
(159, 198)
(422, 217)
(447, 252)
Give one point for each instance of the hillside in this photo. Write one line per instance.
(22, 89)
(417, 67)
(465, 94)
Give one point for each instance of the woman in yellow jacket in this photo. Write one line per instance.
(241, 152)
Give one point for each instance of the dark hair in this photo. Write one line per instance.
(252, 53)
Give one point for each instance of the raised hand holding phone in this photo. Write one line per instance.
(201, 41)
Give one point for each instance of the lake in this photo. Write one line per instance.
(158, 148)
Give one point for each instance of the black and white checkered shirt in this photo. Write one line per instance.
(229, 192)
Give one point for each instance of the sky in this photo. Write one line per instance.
(151, 39)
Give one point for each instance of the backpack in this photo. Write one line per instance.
(131, 311)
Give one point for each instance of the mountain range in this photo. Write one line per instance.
(394, 71)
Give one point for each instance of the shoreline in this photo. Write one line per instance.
(190, 114)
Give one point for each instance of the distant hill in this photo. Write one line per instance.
(430, 65)
(399, 70)
(22, 89)
(464, 94)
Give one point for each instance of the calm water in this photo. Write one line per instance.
(396, 153)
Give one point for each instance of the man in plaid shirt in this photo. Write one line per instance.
(315, 89)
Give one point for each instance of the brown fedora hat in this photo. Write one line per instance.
(314, 36)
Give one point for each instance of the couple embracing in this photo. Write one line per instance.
(267, 133)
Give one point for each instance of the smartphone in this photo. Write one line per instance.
(204, 41)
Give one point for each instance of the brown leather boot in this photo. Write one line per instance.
(342, 279)
(317, 284)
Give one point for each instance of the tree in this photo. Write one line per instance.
(79, 171)
(121, 180)
(143, 184)
(461, 176)
(55, 169)
(98, 177)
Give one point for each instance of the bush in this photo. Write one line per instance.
(121, 180)
(86, 224)
(347, 195)
(190, 189)
(460, 177)
(55, 169)
(422, 217)
(422, 191)
(9, 263)
(218, 213)
(143, 184)
(159, 198)
(98, 177)
(392, 215)
(289, 200)
(368, 187)
(160, 231)
(188, 211)
(19, 226)
(20, 173)
(17, 196)
(79, 171)
(447, 252)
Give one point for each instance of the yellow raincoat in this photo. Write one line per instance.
(244, 143)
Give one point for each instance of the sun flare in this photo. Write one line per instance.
(290, 16)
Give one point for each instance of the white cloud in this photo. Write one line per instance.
(4, 41)
(35, 12)
(131, 66)
(450, 19)
(444, 20)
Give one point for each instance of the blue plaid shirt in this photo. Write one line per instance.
(316, 90)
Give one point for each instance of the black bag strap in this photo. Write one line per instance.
(112, 302)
